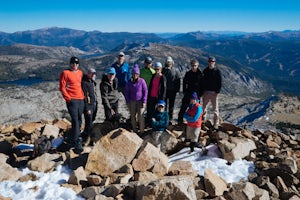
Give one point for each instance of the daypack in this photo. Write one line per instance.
(42, 145)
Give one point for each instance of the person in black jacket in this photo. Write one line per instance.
(172, 75)
(212, 83)
(192, 82)
(109, 93)
(90, 101)
(156, 91)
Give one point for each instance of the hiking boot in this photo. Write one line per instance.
(204, 151)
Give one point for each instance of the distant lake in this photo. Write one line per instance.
(24, 82)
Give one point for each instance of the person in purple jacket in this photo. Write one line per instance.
(136, 93)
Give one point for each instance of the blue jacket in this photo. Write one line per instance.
(123, 73)
(162, 121)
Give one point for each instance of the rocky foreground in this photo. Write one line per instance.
(124, 165)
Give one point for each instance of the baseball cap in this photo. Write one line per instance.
(92, 71)
(121, 53)
(148, 60)
(161, 103)
(157, 64)
(211, 58)
(169, 59)
(74, 60)
(111, 70)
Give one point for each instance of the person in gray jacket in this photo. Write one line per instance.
(172, 75)
(109, 93)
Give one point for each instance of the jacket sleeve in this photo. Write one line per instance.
(163, 88)
(162, 123)
(177, 81)
(193, 118)
(63, 87)
(184, 84)
(104, 95)
(127, 92)
(86, 94)
(219, 81)
(144, 91)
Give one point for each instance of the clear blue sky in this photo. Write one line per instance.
(151, 16)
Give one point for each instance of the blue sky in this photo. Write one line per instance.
(151, 16)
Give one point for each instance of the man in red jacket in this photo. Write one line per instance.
(70, 87)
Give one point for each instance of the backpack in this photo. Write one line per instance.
(42, 145)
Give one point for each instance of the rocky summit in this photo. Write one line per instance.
(124, 165)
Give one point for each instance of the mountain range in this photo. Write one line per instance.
(254, 63)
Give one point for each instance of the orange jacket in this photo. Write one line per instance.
(70, 85)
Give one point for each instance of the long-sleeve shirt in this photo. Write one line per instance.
(70, 85)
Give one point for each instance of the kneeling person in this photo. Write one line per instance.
(159, 122)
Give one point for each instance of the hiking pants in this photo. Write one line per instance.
(75, 108)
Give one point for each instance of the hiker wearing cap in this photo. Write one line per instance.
(172, 75)
(193, 118)
(90, 101)
(136, 93)
(191, 82)
(212, 83)
(70, 87)
(156, 90)
(122, 72)
(159, 122)
(109, 93)
(147, 71)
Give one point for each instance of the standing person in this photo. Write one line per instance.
(147, 71)
(212, 83)
(173, 84)
(156, 90)
(192, 82)
(109, 93)
(193, 117)
(159, 122)
(90, 101)
(122, 72)
(70, 87)
(136, 93)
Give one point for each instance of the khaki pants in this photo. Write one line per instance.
(213, 98)
(136, 115)
(193, 133)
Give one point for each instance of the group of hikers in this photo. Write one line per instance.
(152, 88)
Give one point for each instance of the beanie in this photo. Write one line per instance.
(136, 69)
(194, 96)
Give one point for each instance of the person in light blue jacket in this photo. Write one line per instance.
(136, 93)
